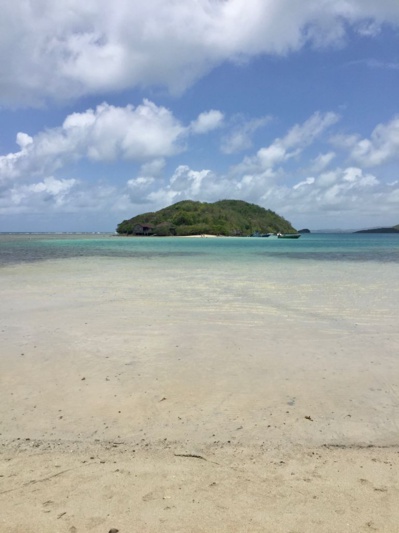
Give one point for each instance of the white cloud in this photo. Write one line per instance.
(369, 29)
(267, 178)
(187, 183)
(49, 194)
(51, 186)
(342, 198)
(322, 161)
(107, 133)
(67, 49)
(307, 181)
(23, 140)
(383, 145)
(273, 155)
(140, 133)
(304, 134)
(153, 168)
(139, 189)
(326, 196)
(339, 190)
(184, 183)
(189, 180)
(344, 141)
(207, 121)
(291, 145)
(375, 64)
(240, 137)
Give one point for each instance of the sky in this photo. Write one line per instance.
(112, 109)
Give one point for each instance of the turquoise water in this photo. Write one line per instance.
(15, 249)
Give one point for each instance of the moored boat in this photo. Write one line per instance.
(288, 235)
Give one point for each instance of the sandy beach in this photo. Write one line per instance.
(150, 398)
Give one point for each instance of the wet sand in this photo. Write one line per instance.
(152, 397)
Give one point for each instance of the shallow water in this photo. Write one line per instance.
(237, 331)
(383, 248)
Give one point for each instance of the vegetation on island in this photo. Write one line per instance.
(226, 217)
(393, 229)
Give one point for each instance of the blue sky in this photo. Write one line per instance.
(107, 111)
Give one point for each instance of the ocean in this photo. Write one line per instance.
(337, 247)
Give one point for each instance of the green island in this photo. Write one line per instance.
(225, 217)
(393, 229)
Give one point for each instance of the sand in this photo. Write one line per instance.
(196, 402)
(201, 236)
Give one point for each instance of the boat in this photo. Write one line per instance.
(258, 234)
(288, 235)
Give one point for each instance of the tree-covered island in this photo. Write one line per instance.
(226, 217)
(393, 229)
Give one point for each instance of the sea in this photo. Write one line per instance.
(318, 247)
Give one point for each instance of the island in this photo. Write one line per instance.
(225, 217)
(393, 229)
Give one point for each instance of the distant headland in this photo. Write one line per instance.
(225, 217)
(393, 229)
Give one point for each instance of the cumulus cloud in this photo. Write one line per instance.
(254, 178)
(267, 177)
(185, 183)
(52, 187)
(67, 49)
(207, 121)
(50, 193)
(325, 195)
(53, 197)
(140, 133)
(337, 191)
(108, 133)
(140, 187)
(381, 147)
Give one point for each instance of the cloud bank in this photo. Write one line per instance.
(104, 134)
(286, 175)
(67, 49)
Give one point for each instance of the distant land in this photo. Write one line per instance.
(226, 217)
(393, 229)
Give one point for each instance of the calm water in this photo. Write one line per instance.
(382, 248)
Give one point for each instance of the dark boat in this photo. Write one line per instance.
(288, 235)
